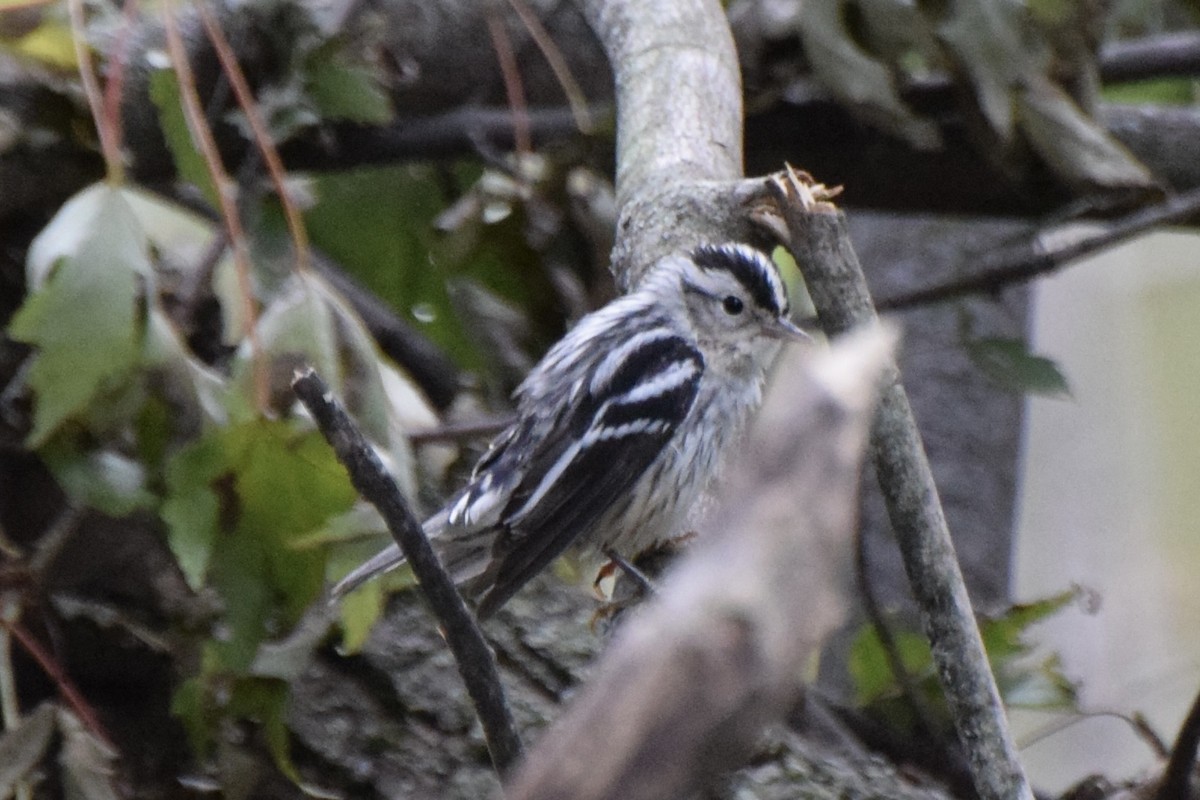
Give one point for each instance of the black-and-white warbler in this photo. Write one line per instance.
(621, 427)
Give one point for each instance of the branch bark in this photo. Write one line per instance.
(679, 143)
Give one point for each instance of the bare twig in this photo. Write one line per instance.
(70, 693)
(1008, 267)
(513, 86)
(1177, 778)
(110, 145)
(456, 432)
(226, 191)
(475, 660)
(820, 243)
(576, 97)
(258, 128)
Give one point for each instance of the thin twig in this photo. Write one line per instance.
(475, 660)
(118, 64)
(71, 694)
(513, 86)
(258, 128)
(819, 241)
(1008, 267)
(10, 704)
(576, 98)
(1177, 778)
(109, 145)
(459, 431)
(1138, 724)
(226, 191)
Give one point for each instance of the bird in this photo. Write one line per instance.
(621, 428)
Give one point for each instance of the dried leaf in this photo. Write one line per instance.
(857, 78)
(22, 747)
(1073, 145)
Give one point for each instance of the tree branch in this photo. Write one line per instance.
(679, 143)
(475, 660)
(1003, 268)
(821, 245)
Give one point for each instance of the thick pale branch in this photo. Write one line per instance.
(679, 127)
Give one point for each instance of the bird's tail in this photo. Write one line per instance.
(385, 560)
(465, 555)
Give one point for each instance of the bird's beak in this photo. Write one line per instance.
(785, 329)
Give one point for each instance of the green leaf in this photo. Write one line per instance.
(189, 163)
(386, 244)
(193, 504)
(1011, 366)
(871, 670)
(264, 701)
(86, 271)
(1003, 636)
(343, 92)
(191, 705)
(359, 612)
(1023, 679)
(237, 500)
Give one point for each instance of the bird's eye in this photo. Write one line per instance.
(732, 305)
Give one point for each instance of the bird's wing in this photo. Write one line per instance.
(631, 407)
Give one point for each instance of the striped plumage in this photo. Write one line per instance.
(621, 427)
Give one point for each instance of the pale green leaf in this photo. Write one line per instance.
(86, 272)
(987, 41)
(1010, 364)
(857, 78)
(106, 480)
(351, 93)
